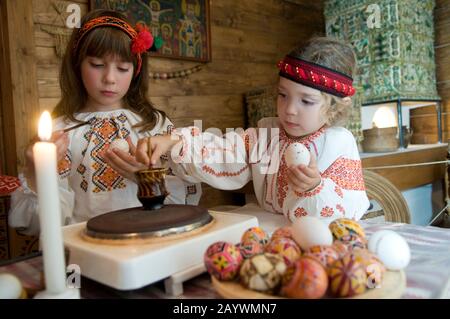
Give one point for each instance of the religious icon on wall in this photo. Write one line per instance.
(183, 25)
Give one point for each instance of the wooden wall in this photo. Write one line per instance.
(247, 38)
(442, 51)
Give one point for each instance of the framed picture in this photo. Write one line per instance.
(184, 25)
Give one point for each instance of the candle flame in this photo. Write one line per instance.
(45, 126)
(384, 117)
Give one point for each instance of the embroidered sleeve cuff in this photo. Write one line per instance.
(312, 192)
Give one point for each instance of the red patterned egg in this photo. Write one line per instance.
(263, 272)
(255, 234)
(326, 255)
(354, 242)
(373, 266)
(340, 248)
(285, 247)
(347, 277)
(306, 278)
(223, 260)
(283, 232)
(344, 227)
(250, 249)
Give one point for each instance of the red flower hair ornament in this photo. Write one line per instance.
(143, 40)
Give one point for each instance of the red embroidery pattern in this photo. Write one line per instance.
(8, 184)
(338, 191)
(64, 165)
(327, 212)
(306, 140)
(340, 208)
(300, 212)
(314, 192)
(346, 173)
(210, 170)
(282, 183)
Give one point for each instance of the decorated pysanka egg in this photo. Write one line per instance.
(283, 232)
(307, 278)
(354, 242)
(340, 248)
(255, 234)
(263, 272)
(344, 227)
(372, 264)
(223, 260)
(285, 247)
(347, 277)
(250, 249)
(326, 255)
(297, 154)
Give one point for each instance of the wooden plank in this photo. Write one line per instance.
(20, 56)
(406, 178)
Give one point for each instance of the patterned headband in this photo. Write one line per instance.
(316, 76)
(141, 38)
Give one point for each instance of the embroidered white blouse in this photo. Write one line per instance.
(230, 162)
(87, 185)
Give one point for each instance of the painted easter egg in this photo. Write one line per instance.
(263, 272)
(311, 231)
(282, 232)
(120, 144)
(347, 277)
(297, 154)
(10, 286)
(307, 278)
(344, 227)
(373, 266)
(326, 255)
(391, 248)
(354, 242)
(285, 247)
(250, 249)
(340, 248)
(255, 234)
(223, 260)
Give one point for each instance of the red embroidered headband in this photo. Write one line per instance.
(316, 76)
(141, 38)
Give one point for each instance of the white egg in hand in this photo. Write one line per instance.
(10, 287)
(297, 154)
(391, 248)
(120, 144)
(310, 231)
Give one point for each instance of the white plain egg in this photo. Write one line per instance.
(10, 287)
(391, 248)
(310, 231)
(120, 144)
(297, 154)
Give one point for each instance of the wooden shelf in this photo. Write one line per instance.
(409, 177)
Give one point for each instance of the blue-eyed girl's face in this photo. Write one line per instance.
(299, 108)
(107, 81)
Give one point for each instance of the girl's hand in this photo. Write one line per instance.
(122, 162)
(304, 178)
(61, 141)
(150, 149)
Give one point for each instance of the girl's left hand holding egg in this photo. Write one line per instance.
(303, 178)
(123, 162)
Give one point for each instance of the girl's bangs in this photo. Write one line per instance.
(101, 42)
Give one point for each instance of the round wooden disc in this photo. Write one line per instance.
(140, 223)
(392, 287)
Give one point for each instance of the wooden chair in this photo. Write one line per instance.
(391, 200)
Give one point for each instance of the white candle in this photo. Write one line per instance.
(44, 154)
